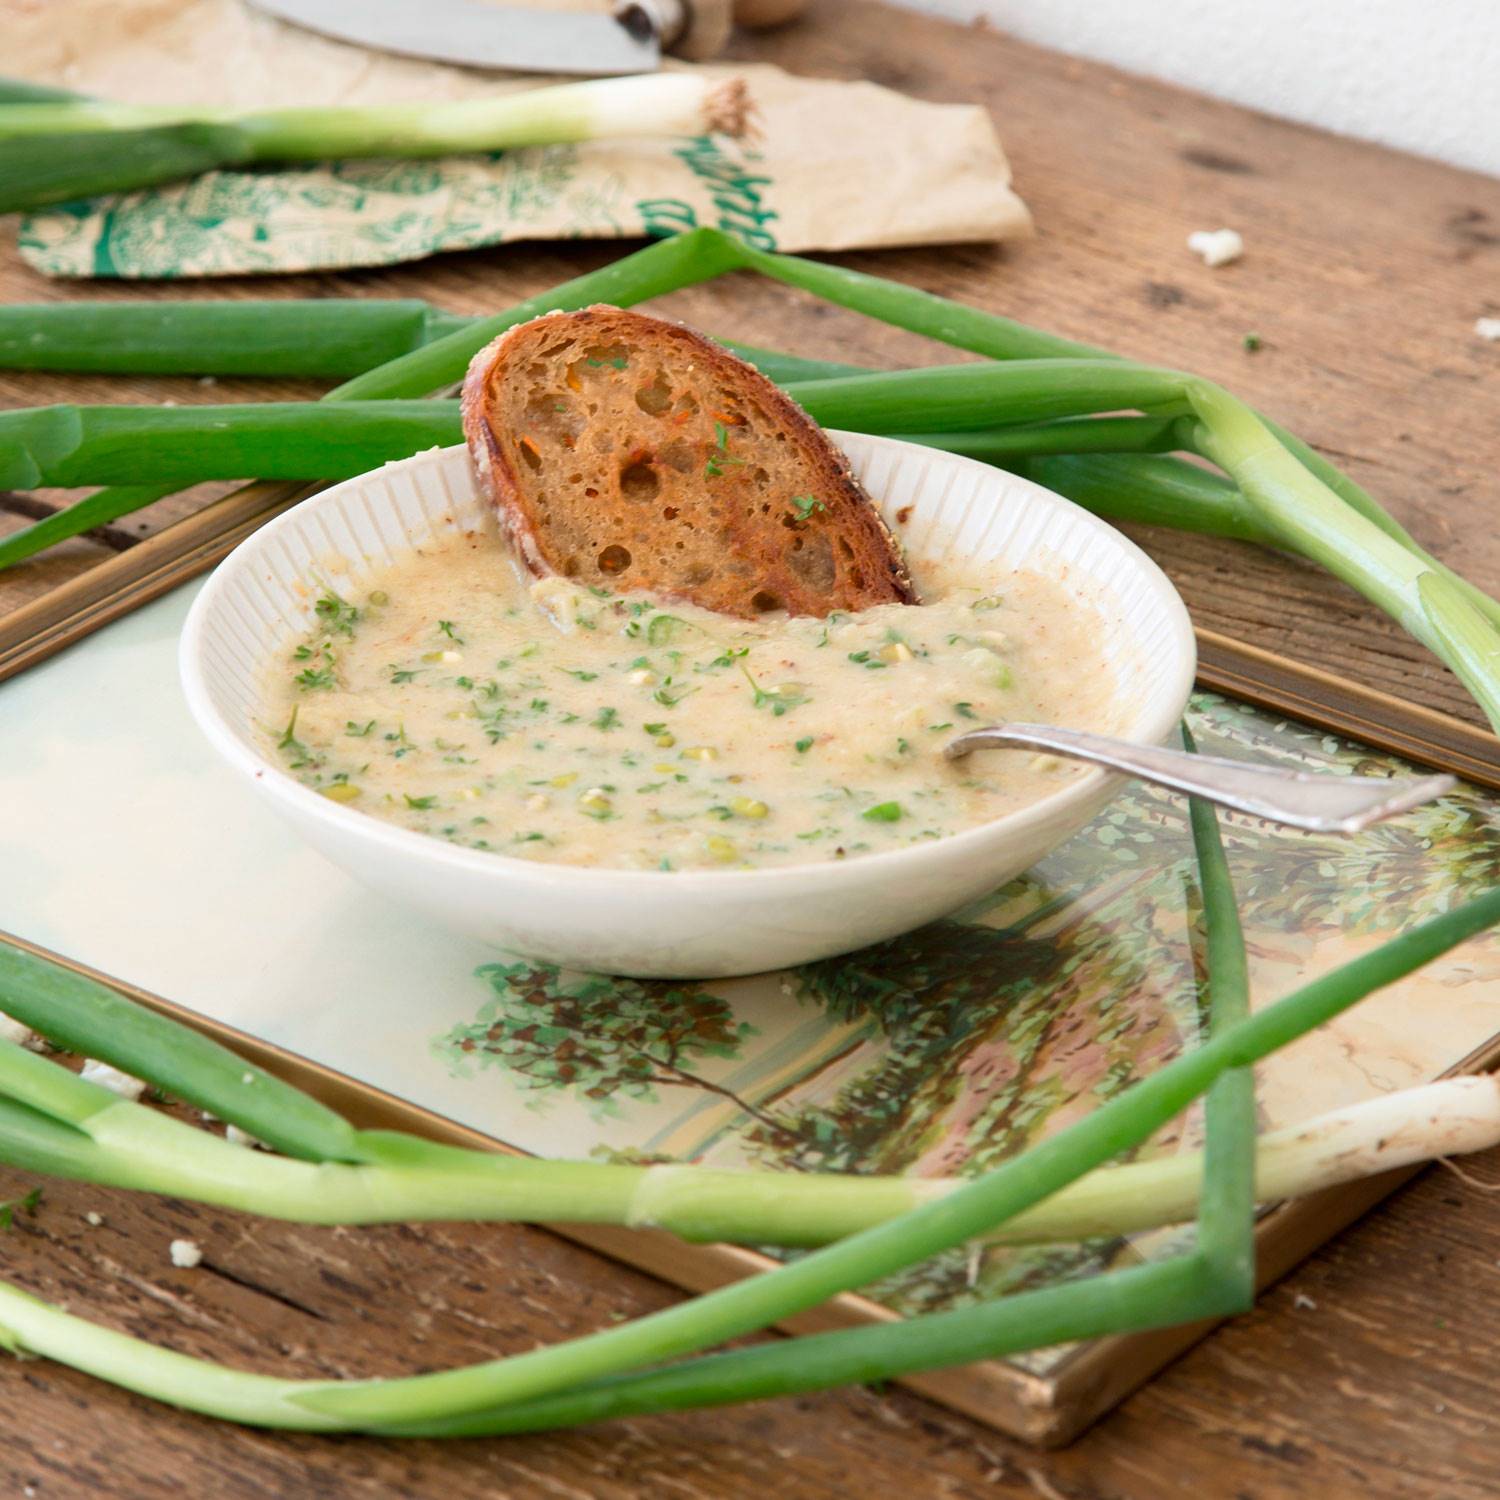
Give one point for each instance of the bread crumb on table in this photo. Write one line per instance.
(186, 1254)
(14, 1031)
(1217, 246)
(112, 1079)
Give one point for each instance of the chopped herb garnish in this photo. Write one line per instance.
(358, 731)
(965, 710)
(399, 674)
(539, 705)
(337, 616)
(579, 673)
(669, 696)
(419, 804)
(866, 660)
(804, 745)
(720, 459)
(779, 699)
(13, 1206)
(606, 718)
(882, 812)
(654, 729)
(446, 626)
(313, 678)
(726, 658)
(664, 628)
(804, 506)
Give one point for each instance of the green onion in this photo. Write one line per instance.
(582, 1379)
(19, 91)
(307, 337)
(79, 445)
(88, 1018)
(180, 445)
(1226, 1216)
(56, 151)
(316, 338)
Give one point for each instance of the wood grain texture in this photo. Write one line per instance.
(1365, 1373)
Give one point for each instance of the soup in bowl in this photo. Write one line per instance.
(617, 781)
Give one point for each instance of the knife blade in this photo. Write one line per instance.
(475, 35)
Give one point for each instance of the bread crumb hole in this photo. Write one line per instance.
(570, 567)
(531, 456)
(669, 513)
(762, 602)
(639, 482)
(654, 399)
(760, 476)
(614, 560)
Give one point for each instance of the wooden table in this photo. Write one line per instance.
(1368, 1372)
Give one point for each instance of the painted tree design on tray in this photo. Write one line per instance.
(600, 1038)
(988, 1037)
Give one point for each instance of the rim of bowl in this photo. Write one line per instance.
(278, 783)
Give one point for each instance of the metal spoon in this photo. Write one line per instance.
(1299, 799)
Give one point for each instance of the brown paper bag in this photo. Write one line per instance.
(835, 166)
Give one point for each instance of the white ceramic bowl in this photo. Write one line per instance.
(687, 924)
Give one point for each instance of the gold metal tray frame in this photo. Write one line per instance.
(1048, 1410)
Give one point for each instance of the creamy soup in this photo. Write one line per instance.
(539, 719)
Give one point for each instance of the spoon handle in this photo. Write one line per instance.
(1315, 801)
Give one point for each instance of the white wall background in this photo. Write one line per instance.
(1423, 75)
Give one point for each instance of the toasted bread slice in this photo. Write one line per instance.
(631, 452)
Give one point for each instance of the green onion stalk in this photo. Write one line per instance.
(316, 338)
(320, 1170)
(80, 445)
(292, 338)
(55, 151)
(600, 1374)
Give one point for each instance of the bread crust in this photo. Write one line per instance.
(631, 452)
